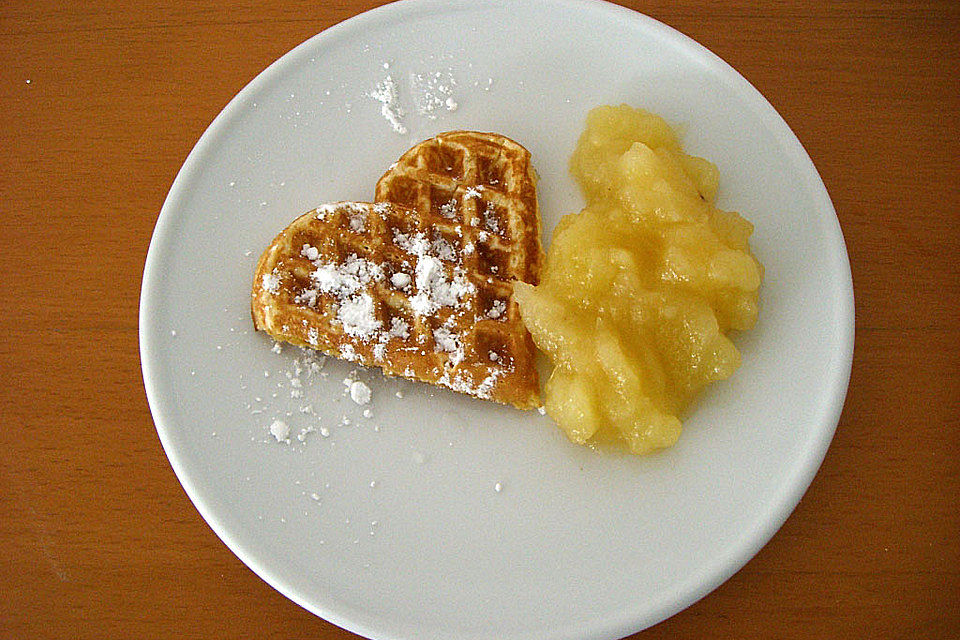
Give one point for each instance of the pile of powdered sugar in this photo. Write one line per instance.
(433, 288)
(387, 95)
(349, 283)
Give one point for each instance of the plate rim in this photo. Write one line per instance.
(698, 585)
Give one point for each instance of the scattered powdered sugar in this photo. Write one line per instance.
(449, 209)
(358, 222)
(399, 328)
(434, 92)
(465, 383)
(490, 218)
(443, 250)
(346, 278)
(497, 309)
(348, 352)
(487, 84)
(386, 94)
(415, 243)
(325, 210)
(270, 283)
(400, 280)
(448, 341)
(302, 436)
(486, 386)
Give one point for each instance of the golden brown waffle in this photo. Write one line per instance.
(387, 286)
(483, 182)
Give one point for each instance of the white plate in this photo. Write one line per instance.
(578, 544)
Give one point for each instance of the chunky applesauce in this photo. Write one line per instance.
(640, 289)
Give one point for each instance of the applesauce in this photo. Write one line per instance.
(641, 289)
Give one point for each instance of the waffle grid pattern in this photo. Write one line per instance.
(497, 353)
(485, 184)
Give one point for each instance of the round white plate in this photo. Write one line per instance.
(392, 526)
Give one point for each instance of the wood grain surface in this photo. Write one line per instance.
(100, 103)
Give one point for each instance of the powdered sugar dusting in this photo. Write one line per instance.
(399, 328)
(448, 341)
(434, 288)
(464, 382)
(348, 352)
(325, 210)
(449, 209)
(349, 283)
(270, 283)
(434, 92)
(497, 309)
(310, 253)
(490, 218)
(443, 249)
(358, 222)
(387, 95)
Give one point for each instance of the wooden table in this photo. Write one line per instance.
(101, 103)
